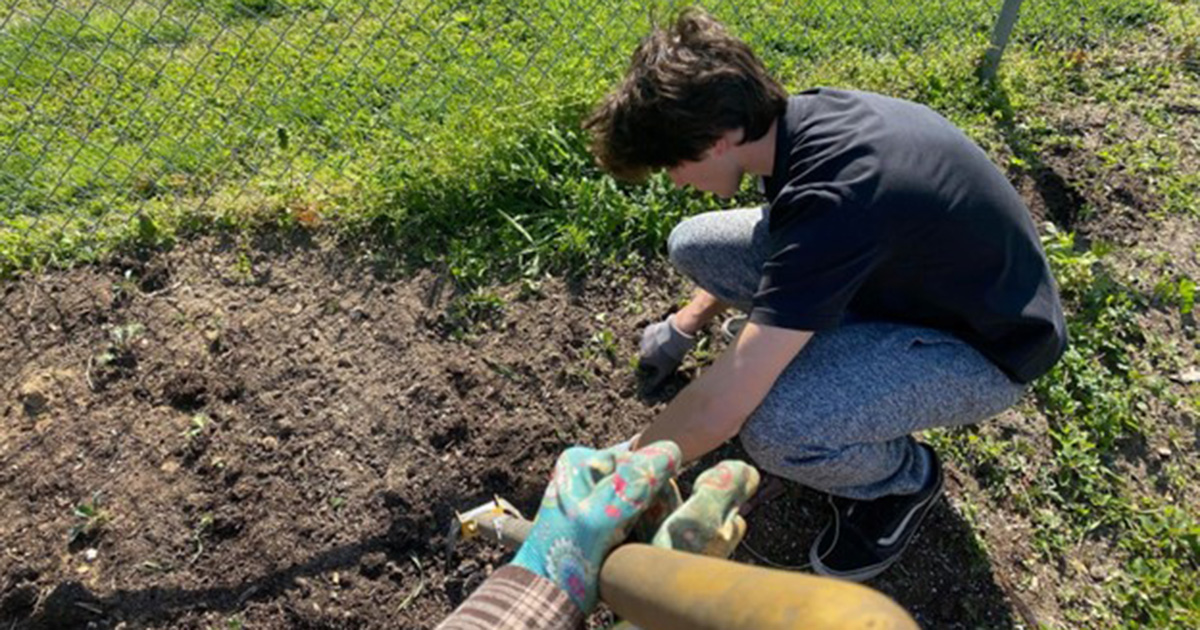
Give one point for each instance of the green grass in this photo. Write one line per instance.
(229, 114)
(448, 135)
(1096, 402)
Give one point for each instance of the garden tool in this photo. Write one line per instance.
(665, 588)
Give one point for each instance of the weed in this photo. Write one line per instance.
(603, 343)
(90, 521)
(124, 337)
(199, 532)
(118, 357)
(196, 427)
(243, 268)
(124, 288)
(473, 312)
(1180, 293)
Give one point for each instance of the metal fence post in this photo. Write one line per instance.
(1004, 26)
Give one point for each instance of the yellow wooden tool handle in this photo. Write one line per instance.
(660, 589)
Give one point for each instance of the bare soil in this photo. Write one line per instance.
(343, 419)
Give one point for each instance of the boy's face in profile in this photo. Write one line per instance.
(717, 171)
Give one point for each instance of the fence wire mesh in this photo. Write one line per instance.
(112, 110)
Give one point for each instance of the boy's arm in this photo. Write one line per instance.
(713, 408)
(700, 310)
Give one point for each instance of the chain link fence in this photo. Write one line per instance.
(197, 110)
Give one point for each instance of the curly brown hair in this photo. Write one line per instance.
(685, 87)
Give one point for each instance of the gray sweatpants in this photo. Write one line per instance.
(840, 417)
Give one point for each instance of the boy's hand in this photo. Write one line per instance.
(662, 350)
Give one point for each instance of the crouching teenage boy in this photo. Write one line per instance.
(894, 280)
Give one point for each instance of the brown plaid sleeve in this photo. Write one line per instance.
(513, 598)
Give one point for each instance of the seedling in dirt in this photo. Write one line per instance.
(579, 376)
(198, 533)
(704, 353)
(472, 312)
(124, 287)
(418, 589)
(502, 369)
(123, 337)
(243, 268)
(91, 520)
(337, 503)
(121, 341)
(603, 342)
(199, 423)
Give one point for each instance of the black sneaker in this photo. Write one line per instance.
(867, 537)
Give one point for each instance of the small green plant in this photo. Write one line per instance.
(202, 528)
(125, 287)
(118, 356)
(603, 343)
(123, 337)
(196, 427)
(90, 520)
(121, 343)
(473, 312)
(705, 351)
(243, 267)
(1180, 293)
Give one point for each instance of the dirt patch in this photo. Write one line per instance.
(288, 448)
(285, 447)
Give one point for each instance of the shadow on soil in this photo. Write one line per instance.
(1061, 201)
(945, 580)
(73, 605)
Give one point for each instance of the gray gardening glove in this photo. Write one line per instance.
(662, 349)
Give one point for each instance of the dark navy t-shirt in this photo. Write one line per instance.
(882, 208)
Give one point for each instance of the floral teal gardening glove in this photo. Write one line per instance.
(708, 522)
(592, 500)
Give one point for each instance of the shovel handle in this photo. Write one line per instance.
(662, 589)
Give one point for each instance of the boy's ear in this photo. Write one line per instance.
(726, 141)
